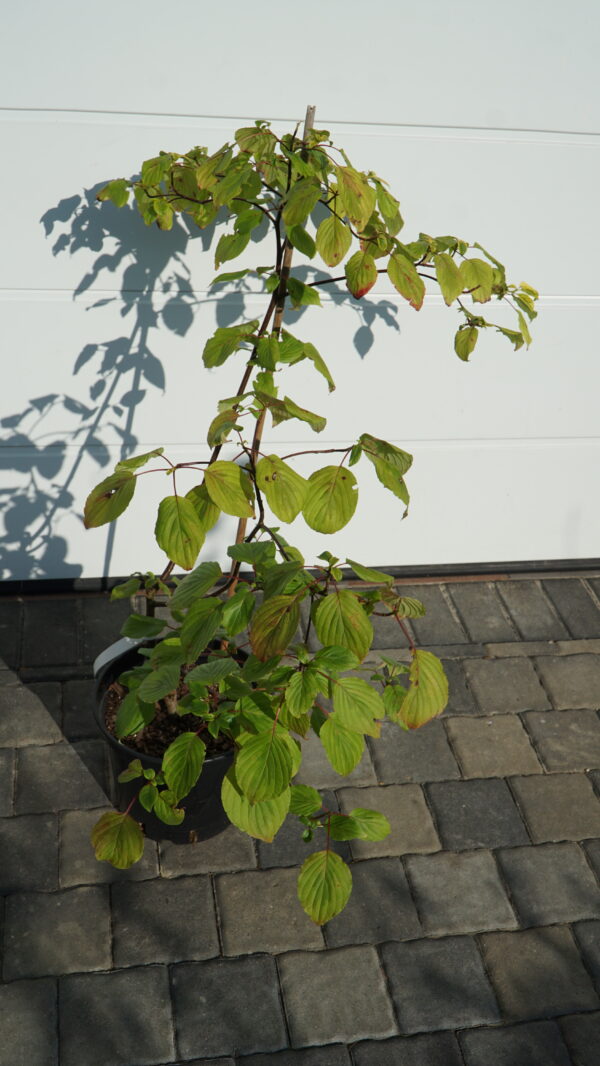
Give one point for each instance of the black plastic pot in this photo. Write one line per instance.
(204, 817)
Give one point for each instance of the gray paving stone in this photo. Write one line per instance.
(459, 893)
(28, 1013)
(50, 693)
(117, 1018)
(229, 850)
(461, 698)
(420, 755)
(503, 686)
(54, 778)
(528, 1044)
(481, 610)
(573, 681)
(7, 781)
(440, 624)
(566, 741)
(11, 626)
(588, 938)
(558, 807)
(538, 973)
(332, 1055)
(101, 621)
(78, 702)
(476, 814)
(208, 1062)
(380, 907)
(532, 612)
(592, 850)
(582, 1036)
(50, 629)
(550, 883)
(435, 1049)
(439, 984)
(386, 631)
(404, 806)
(260, 912)
(575, 606)
(53, 933)
(164, 921)
(29, 853)
(492, 747)
(238, 1011)
(77, 862)
(24, 720)
(325, 1001)
(316, 770)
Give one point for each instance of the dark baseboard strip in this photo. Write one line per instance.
(498, 570)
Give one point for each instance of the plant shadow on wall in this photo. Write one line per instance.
(45, 444)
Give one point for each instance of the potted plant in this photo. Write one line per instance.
(235, 676)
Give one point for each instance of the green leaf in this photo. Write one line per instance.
(282, 410)
(230, 488)
(405, 279)
(234, 275)
(284, 489)
(207, 511)
(200, 626)
(333, 240)
(225, 341)
(428, 692)
(324, 886)
(389, 208)
(357, 706)
(237, 611)
(283, 577)
(182, 763)
(310, 352)
(214, 670)
(195, 585)
(343, 748)
(302, 294)
(465, 341)
(300, 201)
(524, 329)
(365, 573)
(477, 275)
(109, 499)
(305, 800)
(360, 824)
(336, 659)
(361, 274)
(301, 691)
(406, 606)
(273, 626)
(390, 464)
(513, 335)
(147, 796)
(449, 277)
(357, 197)
(331, 499)
(159, 683)
(230, 245)
(126, 589)
(117, 839)
(222, 426)
(260, 820)
(132, 715)
(340, 620)
(263, 766)
(136, 461)
(256, 552)
(302, 240)
(140, 625)
(167, 812)
(178, 531)
(393, 698)
(133, 771)
(117, 191)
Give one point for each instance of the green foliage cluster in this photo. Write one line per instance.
(270, 700)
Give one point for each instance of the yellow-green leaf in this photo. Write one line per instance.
(324, 886)
(478, 276)
(182, 763)
(357, 197)
(117, 839)
(365, 573)
(230, 488)
(333, 240)
(428, 692)
(260, 820)
(404, 277)
(331, 499)
(109, 499)
(300, 201)
(284, 489)
(195, 584)
(343, 748)
(449, 277)
(273, 626)
(207, 511)
(361, 274)
(263, 766)
(465, 341)
(178, 531)
(357, 706)
(341, 620)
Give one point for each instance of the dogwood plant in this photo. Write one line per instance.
(299, 192)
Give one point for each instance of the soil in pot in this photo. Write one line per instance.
(205, 816)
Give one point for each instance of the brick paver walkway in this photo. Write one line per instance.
(473, 934)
